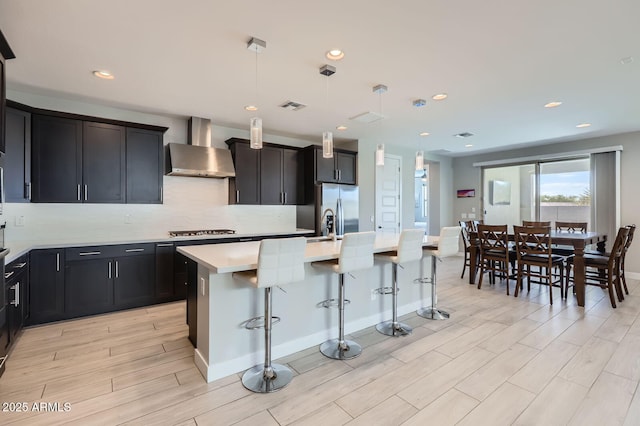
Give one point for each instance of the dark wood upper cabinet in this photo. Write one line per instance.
(271, 176)
(267, 176)
(245, 187)
(56, 161)
(17, 161)
(5, 53)
(342, 168)
(103, 163)
(74, 160)
(291, 176)
(144, 166)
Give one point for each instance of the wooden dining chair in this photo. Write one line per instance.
(627, 244)
(533, 248)
(466, 242)
(604, 270)
(537, 224)
(573, 227)
(494, 253)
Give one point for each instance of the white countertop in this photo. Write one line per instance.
(234, 257)
(17, 249)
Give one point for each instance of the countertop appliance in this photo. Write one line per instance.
(343, 200)
(200, 232)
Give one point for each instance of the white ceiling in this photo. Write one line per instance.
(499, 61)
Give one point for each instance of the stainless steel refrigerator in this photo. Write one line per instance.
(343, 200)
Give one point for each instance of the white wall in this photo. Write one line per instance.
(467, 176)
(189, 203)
(440, 186)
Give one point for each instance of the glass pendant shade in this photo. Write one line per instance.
(256, 133)
(327, 145)
(380, 155)
(419, 160)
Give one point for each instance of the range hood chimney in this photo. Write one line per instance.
(197, 158)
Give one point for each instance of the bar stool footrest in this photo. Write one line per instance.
(332, 303)
(423, 281)
(384, 290)
(258, 322)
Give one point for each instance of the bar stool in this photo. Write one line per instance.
(447, 246)
(280, 261)
(409, 250)
(356, 253)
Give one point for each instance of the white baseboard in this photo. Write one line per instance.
(244, 362)
(633, 275)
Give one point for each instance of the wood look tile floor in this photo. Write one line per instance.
(499, 360)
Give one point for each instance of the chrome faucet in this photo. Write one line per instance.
(332, 233)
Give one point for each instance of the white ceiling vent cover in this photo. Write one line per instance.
(367, 117)
(292, 106)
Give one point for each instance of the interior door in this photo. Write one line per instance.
(388, 195)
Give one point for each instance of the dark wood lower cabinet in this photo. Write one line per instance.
(46, 286)
(165, 270)
(88, 287)
(134, 281)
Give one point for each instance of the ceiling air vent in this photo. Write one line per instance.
(292, 106)
(367, 117)
(463, 135)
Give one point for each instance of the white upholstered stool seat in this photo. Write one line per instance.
(280, 261)
(356, 253)
(409, 250)
(447, 246)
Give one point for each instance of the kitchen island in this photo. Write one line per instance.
(225, 347)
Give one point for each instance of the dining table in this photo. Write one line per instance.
(578, 240)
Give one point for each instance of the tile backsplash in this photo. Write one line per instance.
(189, 203)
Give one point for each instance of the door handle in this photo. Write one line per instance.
(78, 192)
(88, 253)
(57, 262)
(285, 198)
(117, 269)
(8, 274)
(133, 250)
(109, 270)
(16, 289)
(86, 192)
(237, 195)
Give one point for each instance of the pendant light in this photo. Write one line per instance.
(419, 160)
(255, 125)
(327, 137)
(380, 89)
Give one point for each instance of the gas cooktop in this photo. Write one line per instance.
(201, 232)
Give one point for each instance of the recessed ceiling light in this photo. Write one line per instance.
(468, 145)
(424, 134)
(103, 74)
(335, 54)
(251, 108)
(439, 96)
(553, 104)
(581, 125)
(626, 60)
(341, 128)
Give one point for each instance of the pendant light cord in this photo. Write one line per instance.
(256, 76)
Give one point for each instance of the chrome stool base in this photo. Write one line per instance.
(334, 350)
(388, 328)
(256, 380)
(432, 313)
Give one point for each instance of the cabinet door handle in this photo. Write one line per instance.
(164, 245)
(116, 269)
(7, 274)
(339, 174)
(21, 265)
(285, 198)
(242, 240)
(86, 191)
(133, 250)
(16, 289)
(3, 360)
(57, 262)
(109, 269)
(88, 253)
(28, 190)
(78, 192)
(237, 195)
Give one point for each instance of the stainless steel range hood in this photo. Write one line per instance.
(198, 158)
